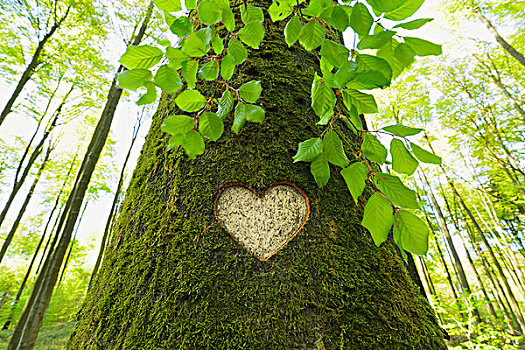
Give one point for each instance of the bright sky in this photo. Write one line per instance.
(95, 216)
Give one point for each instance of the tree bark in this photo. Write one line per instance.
(35, 61)
(457, 262)
(71, 245)
(19, 179)
(112, 213)
(503, 43)
(455, 221)
(173, 278)
(14, 227)
(33, 315)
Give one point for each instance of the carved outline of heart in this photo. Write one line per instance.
(260, 196)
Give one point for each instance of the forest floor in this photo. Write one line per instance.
(52, 337)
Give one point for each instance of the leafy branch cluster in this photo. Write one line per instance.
(344, 74)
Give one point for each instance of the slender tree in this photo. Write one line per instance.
(112, 211)
(503, 43)
(22, 210)
(35, 61)
(27, 328)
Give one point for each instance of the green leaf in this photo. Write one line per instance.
(211, 126)
(323, 98)
(378, 218)
(178, 124)
(423, 47)
(210, 12)
(193, 46)
(355, 176)
(424, 155)
(134, 78)
(176, 57)
(333, 147)
(239, 117)
(368, 80)
(254, 113)
(168, 5)
(335, 53)
(237, 51)
(404, 54)
(205, 34)
(144, 56)
(375, 41)
(385, 5)
(369, 62)
(181, 27)
(190, 4)
(168, 79)
(251, 13)
(326, 68)
(411, 231)
(356, 123)
(373, 149)
(311, 35)
(292, 30)
(394, 189)
(364, 103)
(217, 45)
(251, 91)
(210, 71)
(169, 18)
(339, 18)
(225, 104)
(279, 10)
(308, 150)
(407, 9)
(150, 96)
(193, 143)
(227, 67)
(401, 130)
(175, 140)
(345, 74)
(190, 101)
(402, 161)
(252, 34)
(189, 72)
(315, 7)
(415, 24)
(386, 52)
(361, 20)
(320, 170)
(228, 18)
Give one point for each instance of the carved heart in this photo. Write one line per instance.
(262, 224)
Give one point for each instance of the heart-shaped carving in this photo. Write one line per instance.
(262, 224)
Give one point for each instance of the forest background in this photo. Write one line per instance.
(470, 101)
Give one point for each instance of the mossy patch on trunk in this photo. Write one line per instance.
(173, 278)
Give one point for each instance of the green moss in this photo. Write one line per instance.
(173, 279)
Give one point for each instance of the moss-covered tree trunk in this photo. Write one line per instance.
(173, 278)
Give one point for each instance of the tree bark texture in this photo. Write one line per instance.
(173, 278)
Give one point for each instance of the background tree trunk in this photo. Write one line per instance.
(173, 278)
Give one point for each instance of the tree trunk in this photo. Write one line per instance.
(71, 245)
(35, 61)
(26, 332)
(173, 278)
(455, 221)
(19, 179)
(519, 316)
(28, 273)
(504, 44)
(14, 227)
(457, 262)
(112, 211)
